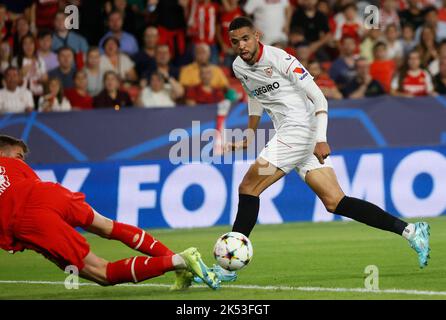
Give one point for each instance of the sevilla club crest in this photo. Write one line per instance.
(269, 71)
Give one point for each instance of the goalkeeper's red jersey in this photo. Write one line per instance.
(17, 180)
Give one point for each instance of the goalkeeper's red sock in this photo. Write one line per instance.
(138, 269)
(139, 240)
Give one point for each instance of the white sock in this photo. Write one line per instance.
(409, 231)
(178, 262)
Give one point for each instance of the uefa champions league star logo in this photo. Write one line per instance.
(4, 181)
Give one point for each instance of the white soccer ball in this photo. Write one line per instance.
(233, 251)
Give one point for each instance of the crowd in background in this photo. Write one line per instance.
(165, 53)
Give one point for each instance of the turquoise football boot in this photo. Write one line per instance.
(420, 243)
(222, 274)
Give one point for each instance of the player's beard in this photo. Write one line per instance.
(250, 56)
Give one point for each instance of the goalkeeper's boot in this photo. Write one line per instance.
(420, 242)
(183, 280)
(196, 265)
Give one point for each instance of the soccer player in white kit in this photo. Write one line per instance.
(277, 83)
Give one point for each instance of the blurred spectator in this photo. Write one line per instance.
(325, 8)
(229, 10)
(431, 20)
(94, 73)
(324, 82)
(18, 7)
(13, 98)
(66, 69)
(160, 93)
(413, 15)
(394, 46)
(343, 70)
(382, 68)
(372, 37)
(190, 74)
(204, 93)
(62, 37)
(427, 46)
(22, 28)
(351, 25)
(5, 23)
(54, 99)
(132, 20)
(163, 63)
(111, 96)
(303, 53)
(126, 42)
(78, 96)
(442, 11)
(44, 51)
(362, 85)
(314, 25)
(43, 12)
(408, 39)
(440, 78)
(412, 79)
(434, 66)
(32, 68)
(171, 19)
(145, 58)
(202, 25)
(5, 56)
(389, 14)
(116, 61)
(272, 18)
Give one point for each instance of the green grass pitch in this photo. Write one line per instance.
(287, 259)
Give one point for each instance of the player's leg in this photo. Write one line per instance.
(259, 177)
(138, 269)
(131, 236)
(324, 183)
(134, 269)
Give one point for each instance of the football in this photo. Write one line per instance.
(233, 251)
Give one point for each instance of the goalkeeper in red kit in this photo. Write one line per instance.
(42, 216)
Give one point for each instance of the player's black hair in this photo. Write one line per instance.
(241, 22)
(8, 141)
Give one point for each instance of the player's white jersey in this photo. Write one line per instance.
(276, 81)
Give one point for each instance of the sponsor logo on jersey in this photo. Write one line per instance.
(289, 57)
(265, 89)
(4, 181)
(301, 72)
(268, 71)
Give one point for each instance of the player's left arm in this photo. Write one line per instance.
(293, 70)
(322, 149)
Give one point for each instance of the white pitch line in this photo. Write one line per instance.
(250, 287)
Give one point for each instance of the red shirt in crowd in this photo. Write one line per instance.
(225, 19)
(201, 96)
(79, 101)
(202, 22)
(383, 71)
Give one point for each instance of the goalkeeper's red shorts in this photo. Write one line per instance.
(47, 224)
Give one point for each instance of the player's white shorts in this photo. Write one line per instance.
(293, 149)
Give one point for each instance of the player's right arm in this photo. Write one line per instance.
(255, 111)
